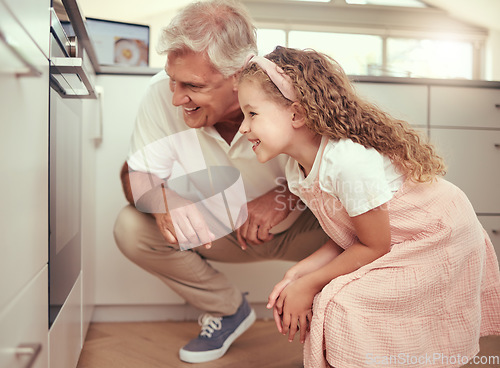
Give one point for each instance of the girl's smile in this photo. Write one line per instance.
(255, 143)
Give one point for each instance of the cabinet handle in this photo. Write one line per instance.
(29, 352)
(497, 145)
(497, 106)
(32, 71)
(494, 231)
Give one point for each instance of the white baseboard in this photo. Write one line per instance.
(149, 313)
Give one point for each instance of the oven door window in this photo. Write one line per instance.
(65, 198)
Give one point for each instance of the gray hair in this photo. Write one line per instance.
(221, 28)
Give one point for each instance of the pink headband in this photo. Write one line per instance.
(276, 74)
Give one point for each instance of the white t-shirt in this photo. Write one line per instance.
(161, 139)
(361, 178)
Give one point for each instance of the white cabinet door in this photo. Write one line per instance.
(473, 159)
(35, 16)
(24, 321)
(403, 101)
(462, 106)
(24, 159)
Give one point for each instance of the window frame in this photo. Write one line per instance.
(423, 23)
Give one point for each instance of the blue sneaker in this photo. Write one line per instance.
(217, 334)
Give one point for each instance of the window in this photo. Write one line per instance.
(268, 39)
(407, 3)
(354, 60)
(399, 38)
(430, 58)
(364, 54)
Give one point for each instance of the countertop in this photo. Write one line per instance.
(116, 70)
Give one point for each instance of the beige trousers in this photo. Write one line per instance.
(190, 275)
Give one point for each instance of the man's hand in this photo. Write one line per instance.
(178, 219)
(183, 223)
(264, 213)
(166, 226)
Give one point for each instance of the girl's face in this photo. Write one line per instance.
(267, 124)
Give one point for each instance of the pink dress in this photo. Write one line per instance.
(423, 304)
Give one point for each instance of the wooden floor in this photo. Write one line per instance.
(156, 345)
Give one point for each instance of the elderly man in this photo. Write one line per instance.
(190, 117)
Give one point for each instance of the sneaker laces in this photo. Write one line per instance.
(209, 324)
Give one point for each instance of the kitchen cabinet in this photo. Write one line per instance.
(465, 126)
(34, 17)
(465, 107)
(24, 164)
(23, 326)
(462, 119)
(24, 101)
(472, 159)
(25, 338)
(407, 102)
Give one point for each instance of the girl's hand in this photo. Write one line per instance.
(290, 275)
(278, 288)
(294, 309)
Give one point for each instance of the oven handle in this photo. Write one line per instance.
(71, 65)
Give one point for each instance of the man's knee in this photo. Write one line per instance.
(127, 230)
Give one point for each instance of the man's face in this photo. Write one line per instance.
(204, 94)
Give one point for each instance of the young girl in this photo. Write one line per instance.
(409, 276)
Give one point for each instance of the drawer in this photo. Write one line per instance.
(473, 160)
(24, 321)
(65, 335)
(34, 15)
(492, 225)
(464, 107)
(405, 102)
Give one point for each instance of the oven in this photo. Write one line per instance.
(68, 86)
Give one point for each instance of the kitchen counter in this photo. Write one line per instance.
(117, 70)
(427, 81)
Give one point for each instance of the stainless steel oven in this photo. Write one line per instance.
(69, 84)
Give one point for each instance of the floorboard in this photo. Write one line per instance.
(156, 345)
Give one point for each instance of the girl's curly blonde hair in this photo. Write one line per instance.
(332, 108)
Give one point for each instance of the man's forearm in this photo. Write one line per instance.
(144, 191)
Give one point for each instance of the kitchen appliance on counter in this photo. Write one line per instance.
(119, 43)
